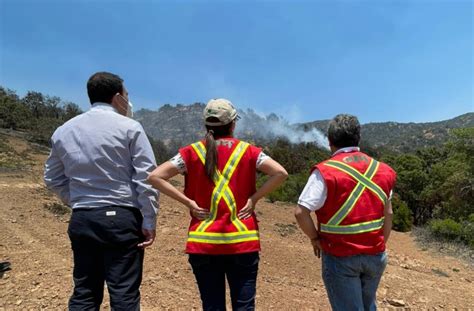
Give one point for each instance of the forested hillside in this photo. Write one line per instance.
(435, 186)
(36, 113)
(183, 123)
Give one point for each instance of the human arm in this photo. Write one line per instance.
(311, 199)
(54, 176)
(159, 180)
(388, 217)
(306, 223)
(143, 162)
(277, 175)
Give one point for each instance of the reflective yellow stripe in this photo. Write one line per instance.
(221, 182)
(227, 193)
(200, 151)
(351, 201)
(230, 201)
(363, 182)
(222, 185)
(359, 177)
(223, 238)
(354, 228)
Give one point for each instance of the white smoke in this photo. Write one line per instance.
(272, 126)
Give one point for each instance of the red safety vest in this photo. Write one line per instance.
(351, 219)
(223, 232)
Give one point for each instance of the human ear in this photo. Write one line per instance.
(118, 102)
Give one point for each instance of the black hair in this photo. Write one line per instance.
(102, 86)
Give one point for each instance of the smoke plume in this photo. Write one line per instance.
(272, 126)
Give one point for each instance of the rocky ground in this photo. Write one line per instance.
(33, 238)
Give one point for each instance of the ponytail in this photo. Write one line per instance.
(211, 155)
(210, 165)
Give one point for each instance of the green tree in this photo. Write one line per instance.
(290, 190)
(453, 178)
(35, 101)
(412, 179)
(402, 216)
(296, 158)
(52, 107)
(13, 113)
(70, 110)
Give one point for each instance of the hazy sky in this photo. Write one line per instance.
(306, 60)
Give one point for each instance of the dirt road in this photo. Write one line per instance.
(34, 240)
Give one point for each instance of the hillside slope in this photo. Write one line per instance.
(35, 241)
(183, 123)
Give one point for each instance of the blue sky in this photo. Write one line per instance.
(305, 60)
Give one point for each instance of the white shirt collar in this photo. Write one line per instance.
(346, 149)
(103, 106)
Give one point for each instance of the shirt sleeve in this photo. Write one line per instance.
(314, 193)
(54, 176)
(262, 157)
(143, 162)
(179, 163)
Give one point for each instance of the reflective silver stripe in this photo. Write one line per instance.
(353, 198)
(359, 177)
(353, 229)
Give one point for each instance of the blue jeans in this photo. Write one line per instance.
(351, 282)
(241, 272)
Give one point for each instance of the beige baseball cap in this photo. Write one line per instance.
(222, 109)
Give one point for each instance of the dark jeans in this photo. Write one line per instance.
(104, 244)
(241, 272)
(351, 282)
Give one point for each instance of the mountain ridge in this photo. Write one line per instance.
(183, 124)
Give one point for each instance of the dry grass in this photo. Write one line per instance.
(456, 249)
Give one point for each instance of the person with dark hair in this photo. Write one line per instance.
(98, 165)
(220, 193)
(350, 193)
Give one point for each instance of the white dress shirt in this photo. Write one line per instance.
(101, 158)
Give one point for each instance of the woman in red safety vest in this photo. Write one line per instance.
(220, 192)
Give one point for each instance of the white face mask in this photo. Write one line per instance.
(130, 109)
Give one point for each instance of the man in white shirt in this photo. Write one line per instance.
(350, 194)
(98, 165)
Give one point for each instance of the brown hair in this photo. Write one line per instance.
(214, 132)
